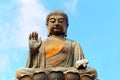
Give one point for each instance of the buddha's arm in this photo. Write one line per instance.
(34, 45)
(78, 52)
(79, 58)
(33, 53)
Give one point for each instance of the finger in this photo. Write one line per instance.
(78, 65)
(36, 36)
(32, 34)
(30, 37)
(86, 61)
(84, 65)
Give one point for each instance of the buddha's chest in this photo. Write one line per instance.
(53, 47)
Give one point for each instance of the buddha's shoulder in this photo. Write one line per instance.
(72, 42)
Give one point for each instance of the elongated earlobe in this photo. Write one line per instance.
(65, 33)
(48, 32)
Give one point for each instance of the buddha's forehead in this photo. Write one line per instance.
(56, 17)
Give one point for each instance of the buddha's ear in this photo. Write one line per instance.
(65, 33)
(48, 31)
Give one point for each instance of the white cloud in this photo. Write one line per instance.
(31, 18)
(71, 5)
(28, 16)
(6, 37)
(5, 64)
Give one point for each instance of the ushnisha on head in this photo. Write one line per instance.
(57, 23)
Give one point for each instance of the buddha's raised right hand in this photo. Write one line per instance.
(34, 42)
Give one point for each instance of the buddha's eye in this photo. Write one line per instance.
(61, 20)
(52, 20)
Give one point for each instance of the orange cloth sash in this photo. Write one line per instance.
(53, 47)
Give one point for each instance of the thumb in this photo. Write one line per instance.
(39, 40)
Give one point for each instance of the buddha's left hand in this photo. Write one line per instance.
(82, 63)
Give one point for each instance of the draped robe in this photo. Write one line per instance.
(57, 53)
(63, 53)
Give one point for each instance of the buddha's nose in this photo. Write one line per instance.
(57, 24)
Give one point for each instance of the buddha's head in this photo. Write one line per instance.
(57, 23)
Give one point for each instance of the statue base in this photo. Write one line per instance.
(56, 73)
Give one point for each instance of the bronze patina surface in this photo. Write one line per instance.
(56, 58)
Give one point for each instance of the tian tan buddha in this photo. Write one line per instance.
(56, 58)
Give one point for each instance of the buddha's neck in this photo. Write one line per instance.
(61, 37)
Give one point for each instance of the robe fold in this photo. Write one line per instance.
(65, 57)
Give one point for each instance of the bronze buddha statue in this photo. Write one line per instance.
(56, 52)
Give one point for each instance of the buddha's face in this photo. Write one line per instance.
(57, 25)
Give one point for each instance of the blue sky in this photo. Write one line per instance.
(95, 24)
